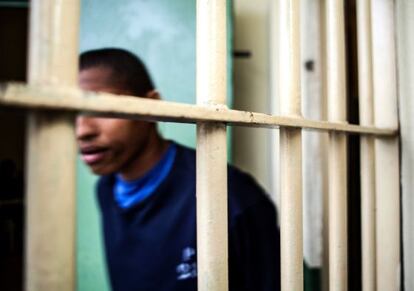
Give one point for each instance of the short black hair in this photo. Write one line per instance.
(127, 69)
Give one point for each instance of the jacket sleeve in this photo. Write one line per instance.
(254, 249)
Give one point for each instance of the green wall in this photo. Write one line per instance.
(162, 33)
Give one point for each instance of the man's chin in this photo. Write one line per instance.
(100, 171)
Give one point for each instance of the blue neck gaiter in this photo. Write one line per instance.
(130, 193)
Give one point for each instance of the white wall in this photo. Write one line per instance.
(314, 144)
(251, 87)
(256, 89)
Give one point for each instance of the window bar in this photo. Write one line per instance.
(386, 150)
(105, 104)
(366, 117)
(50, 218)
(336, 95)
(212, 240)
(290, 148)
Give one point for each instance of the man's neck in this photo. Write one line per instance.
(149, 156)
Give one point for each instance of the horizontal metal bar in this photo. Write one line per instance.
(73, 99)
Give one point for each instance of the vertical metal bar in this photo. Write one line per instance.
(336, 94)
(212, 241)
(51, 151)
(290, 148)
(366, 117)
(405, 72)
(386, 150)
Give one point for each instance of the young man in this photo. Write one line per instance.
(147, 195)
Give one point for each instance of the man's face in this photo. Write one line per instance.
(109, 145)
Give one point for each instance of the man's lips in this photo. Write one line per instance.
(92, 155)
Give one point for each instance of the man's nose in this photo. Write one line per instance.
(86, 128)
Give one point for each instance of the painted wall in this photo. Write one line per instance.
(162, 33)
(256, 89)
(251, 146)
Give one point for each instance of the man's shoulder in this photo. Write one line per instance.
(243, 190)
(185, 158)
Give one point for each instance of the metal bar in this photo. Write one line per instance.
(337, 213)
(212, 252)
(212, 237)
(366, 117)
(291, 229)
(336, 94)
(72, 99)
(405, 64)
(50, 219)
(386, 150)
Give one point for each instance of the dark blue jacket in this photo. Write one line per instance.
(152, 246)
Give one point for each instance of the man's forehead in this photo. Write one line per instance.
(95, 73)
(98, 76)
(103, 80)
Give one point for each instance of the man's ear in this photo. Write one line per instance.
(153, 94)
